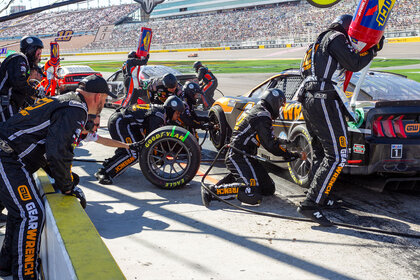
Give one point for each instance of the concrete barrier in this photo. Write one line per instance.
(71, 247)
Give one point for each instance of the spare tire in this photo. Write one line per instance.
(170, 157)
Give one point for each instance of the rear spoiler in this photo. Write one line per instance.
(402, 103)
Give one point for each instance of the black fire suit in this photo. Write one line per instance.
(14, 86)
(158, 93)
(39, 136)
(322, 107)
(253, 128)
(208, 84)
(131, 71)
(131, 125)
(190, 120)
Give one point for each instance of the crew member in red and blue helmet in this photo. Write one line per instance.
(323, 110)
(208, 83)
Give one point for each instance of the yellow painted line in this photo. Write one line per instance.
(403, 40)
(90, 257)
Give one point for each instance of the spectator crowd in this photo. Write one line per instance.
(277, 21)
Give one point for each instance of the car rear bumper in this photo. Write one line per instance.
(391, 157)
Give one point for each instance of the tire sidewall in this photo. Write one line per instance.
(176, 134)
(302, 181)
(217, 113)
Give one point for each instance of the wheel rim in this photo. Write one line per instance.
(300, 167)
(169, 159)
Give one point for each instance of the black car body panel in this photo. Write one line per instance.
(387, 142)
(116, 81)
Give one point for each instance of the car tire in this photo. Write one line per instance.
(218, 136)
(299, 170)
(170, 157)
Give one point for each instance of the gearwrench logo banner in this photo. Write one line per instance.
(149, 5)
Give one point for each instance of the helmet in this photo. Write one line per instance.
(190, 89)
(169, 80)
(274, 98)
(343, 21)
(29, 45)
(197, 65)
(172, 104)
(132, 54)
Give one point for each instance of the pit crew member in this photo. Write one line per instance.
(323, 110)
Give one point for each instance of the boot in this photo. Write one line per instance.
(103, 177)
(312, 211)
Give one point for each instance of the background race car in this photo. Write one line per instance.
(386, 141)
(116, 82)
(70, 76)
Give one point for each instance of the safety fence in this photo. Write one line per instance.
(71, 247)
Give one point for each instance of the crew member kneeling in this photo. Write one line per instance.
(248, 180)
(133, 125)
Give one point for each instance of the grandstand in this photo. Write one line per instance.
(200, 24)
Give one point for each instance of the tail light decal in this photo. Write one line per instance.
(394, 126)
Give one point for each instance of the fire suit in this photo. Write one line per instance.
(131, 70)
(158, 93)
(322, 107)
(190, 120)
(14, 86)
(208, 84)
(39, 136)
(251, 130)
(131, 125)
(49, 82)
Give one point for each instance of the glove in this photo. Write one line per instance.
(78, 193)
(376, 48)
(137, 146)
(296, 155)
(380, 45)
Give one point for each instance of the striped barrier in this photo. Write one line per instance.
(71, 247)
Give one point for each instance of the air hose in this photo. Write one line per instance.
(273, 215)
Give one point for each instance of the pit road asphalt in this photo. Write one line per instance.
(167, 234)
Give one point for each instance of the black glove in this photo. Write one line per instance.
(137, 146)
(78, 193)
(76, 179)
(376, 48)
(295, 156)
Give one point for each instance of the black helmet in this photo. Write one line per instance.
(172, 104)
(190, 89)
(343, 21)
(274, 98)
(197, 65)
(169, 80)
(132, 54)
(29, 45)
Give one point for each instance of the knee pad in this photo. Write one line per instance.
(249, 195)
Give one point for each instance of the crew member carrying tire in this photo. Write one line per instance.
(208, 83)
(323, 110)
(132, 125)
(248, 180)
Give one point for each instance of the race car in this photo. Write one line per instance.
(386, 141)
(69, 76)
(116, 82)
